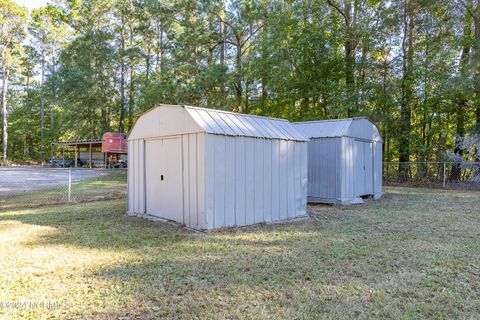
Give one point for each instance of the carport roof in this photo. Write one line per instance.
(78, 142)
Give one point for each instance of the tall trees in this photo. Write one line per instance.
(407, 87)
(12, 19)
(241, 27)
(48, 29)
(349, 12)
(475, 12)
(411, 66)
(461, 97)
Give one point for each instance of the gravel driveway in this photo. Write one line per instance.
(14, 180)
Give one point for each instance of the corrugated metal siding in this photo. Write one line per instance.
(240, 187)
(290, 179)
(304, 177)
(275, 164)
(193, 179)
(258, 173)
(130, 189)
(209, 181)
(282, 168)
(324, 165)
(254, 180)
(347, 168)
(237, 124)
(136, 177)
(267, 183)
(377, 167)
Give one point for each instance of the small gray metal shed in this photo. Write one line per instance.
(344, 160)
(210, 169)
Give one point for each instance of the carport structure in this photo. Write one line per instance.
(93, 147)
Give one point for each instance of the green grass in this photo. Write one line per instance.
(414, 254)
(109, 186)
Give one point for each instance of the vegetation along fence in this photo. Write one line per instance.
(34, 186)
(458, 175)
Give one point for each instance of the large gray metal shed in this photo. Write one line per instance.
(210, 169)
(344, 160)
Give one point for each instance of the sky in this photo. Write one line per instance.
(31, 4)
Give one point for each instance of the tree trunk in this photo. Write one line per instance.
(407, 88)
(42, 109)
(6, 74)
(131, 90)
(52, 110)
(386, 154)
(461, 99)
(147, 58)
(222, 56)
(247, 96)
(424, 153)
(238, 82)
(121, 126)
(131, 98)
(350, 48)
(476, 58)
(349, 13)
(159, 49)
(464, 60)
(264, 80)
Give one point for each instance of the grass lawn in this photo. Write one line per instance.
(413, 254)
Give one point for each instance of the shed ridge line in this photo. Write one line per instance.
(235, 113)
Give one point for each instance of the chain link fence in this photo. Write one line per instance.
(23, 187)
(36, 186)
(454, 175)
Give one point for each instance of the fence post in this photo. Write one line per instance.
(69, 184)
(444, 174)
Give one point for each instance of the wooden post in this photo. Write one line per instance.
(69, 184)
(76, 155)
(444, 174)
(63, 156)
(90, 154)
(51, 154)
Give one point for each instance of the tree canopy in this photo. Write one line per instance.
(413, 67)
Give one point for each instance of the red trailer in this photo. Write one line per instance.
(114, 142)
(114, 145)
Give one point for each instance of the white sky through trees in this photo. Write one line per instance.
(31, 4)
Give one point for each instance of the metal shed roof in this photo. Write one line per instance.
(238, 124)
(350, 127)
(166, 120)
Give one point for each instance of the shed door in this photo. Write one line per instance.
(363, 168)
(368, 153)
(163, 176)
(359, 168)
